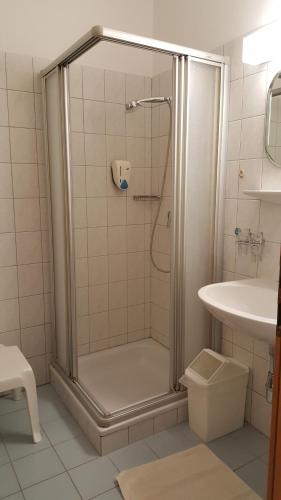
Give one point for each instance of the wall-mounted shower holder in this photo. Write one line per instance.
(247, 239)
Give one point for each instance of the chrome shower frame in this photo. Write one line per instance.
(181, 57)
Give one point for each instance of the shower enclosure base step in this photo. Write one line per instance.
(130, 428)
(125, 375)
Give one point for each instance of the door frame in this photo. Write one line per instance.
(274, 468)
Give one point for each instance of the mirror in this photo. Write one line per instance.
(273, 121)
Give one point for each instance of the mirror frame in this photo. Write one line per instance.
(267, 120)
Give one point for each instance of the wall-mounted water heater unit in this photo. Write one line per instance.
(121, 170)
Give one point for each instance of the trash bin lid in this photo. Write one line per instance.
(210, 367)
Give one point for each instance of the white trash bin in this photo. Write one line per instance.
(217, 388)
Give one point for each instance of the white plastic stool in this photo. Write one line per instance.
(16, 372)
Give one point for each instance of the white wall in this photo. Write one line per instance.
(45, 28)
(56, 24)
(206, 24)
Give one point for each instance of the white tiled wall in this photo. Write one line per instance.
(24, 259)
(120, 296)
(245, 152)
(112, 230)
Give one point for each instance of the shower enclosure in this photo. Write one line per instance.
(129, 254)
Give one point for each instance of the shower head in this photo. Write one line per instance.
(149, 100)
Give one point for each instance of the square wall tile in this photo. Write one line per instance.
(98, 270)
(117, 321)
(235, 100)
(27, 214)
(5, 156)
(21, 109)
(19, 72)
(31, 311)
(248, 214)
(230, 216)
(97, 212)
(75, 80)
(116, 211)
(252, 137)
(95, 149)
(251, 176)
(270, 223)
(25, 181)
(233, 142)
(268, 266)
(261, 413)
(117, 294)
(135, 87)
(115, 119)
(98, 298)
(3, 79)
(6, 186)
(97, 241)
(78, 148)
(23, 145)
(76, 115)
(3, 108)
(30, 278)
(7, 249)
(117, 239)
(33, 341)
(96, 184)
(93, 83)
(9, 315)
(8, 283)
(114, 87)
(99, 326)
(7, 223)
(254, 94)
(94, 117)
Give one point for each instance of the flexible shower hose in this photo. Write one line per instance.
(167, 271)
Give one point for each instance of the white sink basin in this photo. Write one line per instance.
(249, 306)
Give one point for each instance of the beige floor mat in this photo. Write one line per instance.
(194, 474)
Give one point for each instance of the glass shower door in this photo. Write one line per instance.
(122, 236)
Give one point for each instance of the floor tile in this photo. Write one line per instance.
(255, 475)
(50, 406)
(37, 467)
(8, 404)
(17, 422)
(8, 481)
(94, 478)
(19, 446)
(131, 456)
(61, 429)
(110, 495)
(4, 457)
(172, 441)
(233, 451)
(76, 452)
(57, 488)
(16, 434)
(16, 496)
(256, 442)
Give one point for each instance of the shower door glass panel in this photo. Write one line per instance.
(203, 132)
(59, 245)
(122, 297)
